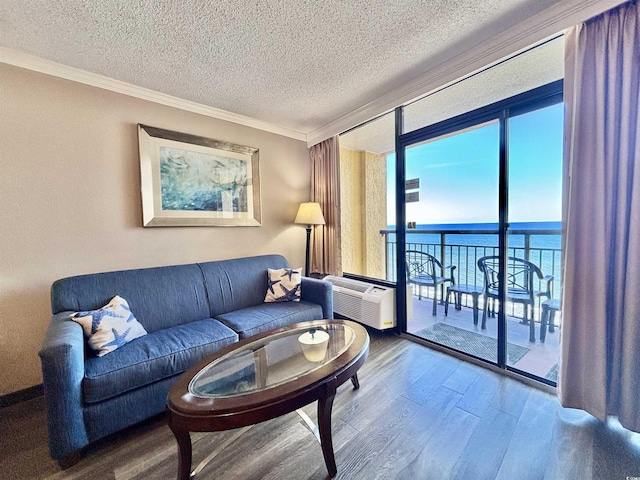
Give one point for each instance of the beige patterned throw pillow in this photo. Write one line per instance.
(283, 285)
(109, 327)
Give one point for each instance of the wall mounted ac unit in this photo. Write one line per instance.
(367, 303)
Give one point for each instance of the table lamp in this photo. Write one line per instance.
(309, 214)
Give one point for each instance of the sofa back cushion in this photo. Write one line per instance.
(238, 283)
(159, 297)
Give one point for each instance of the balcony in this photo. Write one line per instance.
(462, 249)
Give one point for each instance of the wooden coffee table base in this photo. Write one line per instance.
(324, 394)
(210, 397)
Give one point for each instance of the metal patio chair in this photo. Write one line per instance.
(424, 270)
(520, 278)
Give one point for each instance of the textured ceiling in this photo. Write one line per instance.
(298, 64)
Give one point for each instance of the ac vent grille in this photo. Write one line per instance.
(357, 286)
(369, 310)
(348, 306)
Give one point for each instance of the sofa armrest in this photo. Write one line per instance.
(62, 358)
(320, 292)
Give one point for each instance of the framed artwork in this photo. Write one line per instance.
(196, 181)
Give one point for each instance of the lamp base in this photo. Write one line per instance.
(308, 253)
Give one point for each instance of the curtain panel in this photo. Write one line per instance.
(326, 251)
(601, 300)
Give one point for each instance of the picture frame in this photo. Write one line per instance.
(188, 180)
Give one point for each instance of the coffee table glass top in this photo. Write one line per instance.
(272, 361)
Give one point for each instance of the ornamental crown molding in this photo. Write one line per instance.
(48, 67)
(538, 28)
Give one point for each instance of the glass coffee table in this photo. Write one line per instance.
(264, 377)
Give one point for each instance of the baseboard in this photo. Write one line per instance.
(21, 396)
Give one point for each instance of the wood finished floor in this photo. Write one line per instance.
(419, 414)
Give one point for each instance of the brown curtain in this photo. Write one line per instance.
(601, 300)
(326, 251)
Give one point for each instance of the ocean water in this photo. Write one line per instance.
(464, 249)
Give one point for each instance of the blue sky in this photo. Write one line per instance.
(459, 174)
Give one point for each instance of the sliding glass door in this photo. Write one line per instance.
(534, 239)
(451, 198)
(479, 230)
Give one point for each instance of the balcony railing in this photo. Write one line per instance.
(463, 248)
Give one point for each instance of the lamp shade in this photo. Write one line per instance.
(310, 213)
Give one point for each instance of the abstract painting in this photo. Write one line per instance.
(196, 181)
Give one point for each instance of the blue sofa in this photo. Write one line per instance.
(189, 311)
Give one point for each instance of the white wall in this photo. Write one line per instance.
(70, 200)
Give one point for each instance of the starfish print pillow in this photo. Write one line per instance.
(109, 327)
(283, 285)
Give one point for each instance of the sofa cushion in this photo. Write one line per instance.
(153, 357)
(109, 327)
(238, 283)
(263, 317)
(161, 297)
(283, 285)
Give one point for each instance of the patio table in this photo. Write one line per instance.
(463, 289)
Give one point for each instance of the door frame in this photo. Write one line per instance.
(501, 111)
